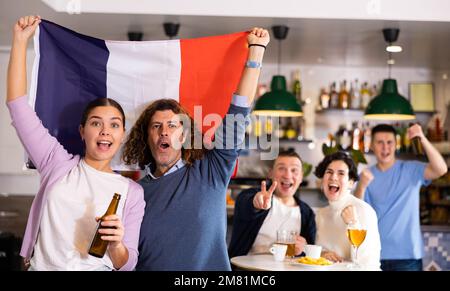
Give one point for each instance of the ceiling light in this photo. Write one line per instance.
(389, 105)
(394, 48)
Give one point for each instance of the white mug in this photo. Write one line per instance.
(278, 251)
(313, 251)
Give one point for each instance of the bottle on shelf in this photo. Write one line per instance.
(279, 128)
(290, 131)
(398, 138)
(361, 137)
(436, 134)
(300, 128)
(374, 91)
(334, 96)
(367, 137)
(269, 128)
(98, 246)
(343, 96)
(257, 127)
(331, 140)
(365, 95)
(248, 128)
(343, 138)
(355, 95)
(324, 99)
(297, 86)
(356, 135)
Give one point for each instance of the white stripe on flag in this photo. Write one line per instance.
(35, 71)
(141, 72)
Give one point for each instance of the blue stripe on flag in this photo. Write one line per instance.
(72, 72)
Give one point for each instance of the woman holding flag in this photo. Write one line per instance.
(74, 191)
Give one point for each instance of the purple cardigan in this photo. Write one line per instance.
(53, 162)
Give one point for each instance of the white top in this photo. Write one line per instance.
(280, 216)
(332, 231)
(68, 219)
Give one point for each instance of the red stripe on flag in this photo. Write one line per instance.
(210, 71)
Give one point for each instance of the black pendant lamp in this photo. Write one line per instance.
(389, 104)
(279, 101)
(171, 29)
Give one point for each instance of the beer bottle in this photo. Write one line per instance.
(416, 144)
(98, 246)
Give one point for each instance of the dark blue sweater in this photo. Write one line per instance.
(247, 222)
(184, 226)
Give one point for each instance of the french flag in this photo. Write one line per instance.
(71, 69)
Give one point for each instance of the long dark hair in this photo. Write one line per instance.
(136, 149)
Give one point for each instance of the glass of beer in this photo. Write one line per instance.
(287, 237)
(356, 236)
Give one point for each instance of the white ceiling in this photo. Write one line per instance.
(334, 42)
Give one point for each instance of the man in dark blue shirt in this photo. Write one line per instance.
(184, 225)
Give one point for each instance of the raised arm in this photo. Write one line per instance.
(42, 148)
(436, 166)
(364, 180)
(17, 70)
(249, 80)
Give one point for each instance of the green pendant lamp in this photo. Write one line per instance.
(278, 102)
(389, 105)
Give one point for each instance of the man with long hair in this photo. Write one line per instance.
(184, 225)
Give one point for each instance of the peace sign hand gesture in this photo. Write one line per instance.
(263, 198)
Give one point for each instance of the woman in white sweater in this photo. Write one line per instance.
(338, 173)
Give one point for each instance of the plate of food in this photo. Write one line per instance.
(311, 263)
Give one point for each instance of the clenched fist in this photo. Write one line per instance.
(349, 215)
(365, 178)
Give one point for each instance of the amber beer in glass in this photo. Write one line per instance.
(356, 237)
(290, 249)
(98, 246)
(287, 237)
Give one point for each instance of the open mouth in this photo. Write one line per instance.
(286, 185)
(104, 145)
(164, 145)
(333, 188)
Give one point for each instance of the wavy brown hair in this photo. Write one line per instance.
(137, 151)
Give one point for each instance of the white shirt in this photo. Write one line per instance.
(68, 219)
(332, 231)
(280, 216)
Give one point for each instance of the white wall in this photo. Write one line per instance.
(13, 177)
(10, 148)
(14, 180)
